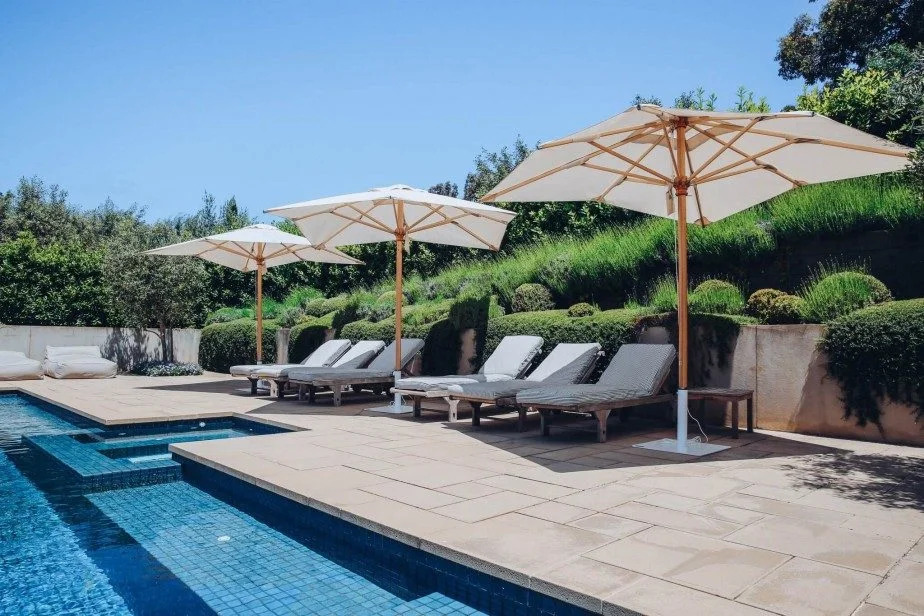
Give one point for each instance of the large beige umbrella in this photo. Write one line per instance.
(255, 248)
(697, 167)
(398, 213)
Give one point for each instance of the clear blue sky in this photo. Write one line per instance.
(155, 102)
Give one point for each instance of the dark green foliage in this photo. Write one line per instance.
(227, 344)
(532, 297)
(582, 309)
(878, 353)
(663, 294)
(832, 295)
(224, 315)
(610, 328)
(289, 316)
(786, 309)
(716, 297)
(160, 368)
(305, 337)
(758, 304)
(52, 284)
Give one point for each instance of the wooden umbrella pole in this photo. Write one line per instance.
(260, 310)
(399, 279)
(681, 187)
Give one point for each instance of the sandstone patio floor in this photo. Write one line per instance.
(777, 524)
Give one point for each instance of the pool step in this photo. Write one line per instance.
(93, 471)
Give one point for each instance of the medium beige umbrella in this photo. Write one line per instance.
(656, 160)
(398, 213)
(255, 248)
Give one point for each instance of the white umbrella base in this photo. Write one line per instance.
(694, 447)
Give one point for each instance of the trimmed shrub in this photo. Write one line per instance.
(877, 353)
(758, 305)
(532, 297)
(786, 309)
(716, 297)
(663, 295)
(834, 295)
(226, 315)
(333, 304)
(161, 368)
(611, 328)
(582, 309)
(227, 344)
(289, 316)
(305, 337)
(314, 307)
(387, 297)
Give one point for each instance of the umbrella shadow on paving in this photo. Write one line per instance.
(889, 481)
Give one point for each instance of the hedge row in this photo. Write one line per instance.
(308, 335)
(878, 353)
(227, 344)
(611, 328)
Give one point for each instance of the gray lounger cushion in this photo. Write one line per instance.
(509, 360)
(512, 356)
(15, 366)
(359, 356)
(382, 367)
(636, 371)
(77, 362)
(323, 356)
(567, 363)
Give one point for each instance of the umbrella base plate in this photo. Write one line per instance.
(693, 447)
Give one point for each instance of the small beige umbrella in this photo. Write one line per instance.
(398, 213)
(653, 160)
(255, 248)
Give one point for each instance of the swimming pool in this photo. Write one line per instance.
(155, 543)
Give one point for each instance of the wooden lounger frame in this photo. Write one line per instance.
(600, 410)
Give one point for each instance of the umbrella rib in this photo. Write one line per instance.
(625, 158)
(897, 151)
(625, 175)
(745, 157)
(699, 205)
(447, 221)
(629, 177)
(670, 149)
(475, 235)
(725, 147)
(611, 133)
(577, 162)
(366, 214)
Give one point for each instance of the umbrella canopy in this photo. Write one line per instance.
(255, 248)
(398, 213)
(695, 166)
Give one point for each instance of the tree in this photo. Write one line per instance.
(854, 98)
(152, 291)
(696, 99)
(845, 34)
(747, 104)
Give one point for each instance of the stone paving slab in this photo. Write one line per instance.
(778, 524)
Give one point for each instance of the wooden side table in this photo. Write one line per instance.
(728, 395)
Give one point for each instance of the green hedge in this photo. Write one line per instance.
(611, 328)
(227, 344)
(307, 336)
(441, 341)
(878, 353)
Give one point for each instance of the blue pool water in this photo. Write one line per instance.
(169, 547)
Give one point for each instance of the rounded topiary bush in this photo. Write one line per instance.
(315, 307)
(305, 337)
(717, 297)
(877, 353)
(532, 297)
(758, 304)
(785, 309)
(835, 295)
(290, 316)
(582, 309)
(227, 344)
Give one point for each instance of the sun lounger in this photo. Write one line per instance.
(377, 377)
(510, 360)
(15, 366)
(77, 362)
(636, 376)
(567, 363)
(323, 356)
